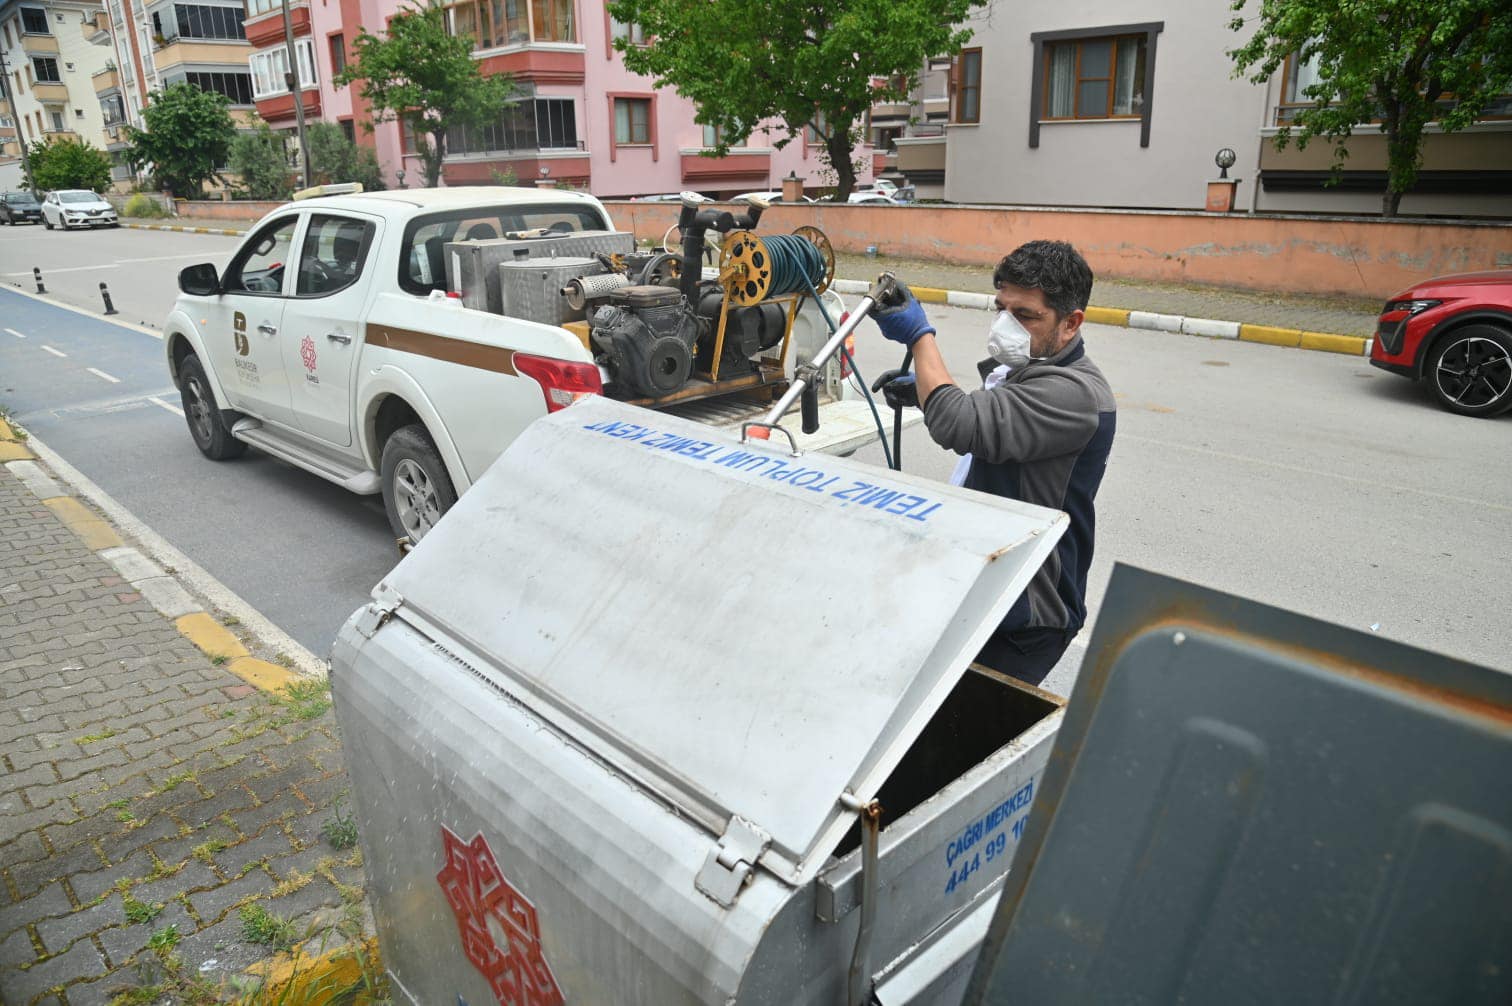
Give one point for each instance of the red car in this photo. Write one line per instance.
(1455, 332)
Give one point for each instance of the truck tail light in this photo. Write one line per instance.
(562, 381)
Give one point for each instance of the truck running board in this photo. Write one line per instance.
(363, 481)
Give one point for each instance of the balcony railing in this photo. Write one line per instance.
(108, 79)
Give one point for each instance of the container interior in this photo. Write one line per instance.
(983, 712)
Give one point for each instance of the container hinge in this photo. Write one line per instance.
(386, 600)
(731, 862)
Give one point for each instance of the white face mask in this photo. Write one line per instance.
(1008, 341)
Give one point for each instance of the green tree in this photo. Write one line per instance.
(69, 164)
(334, 158)
(426, 78)
(1403, 63)
(806, 65)
(187, 139)
(259, 156)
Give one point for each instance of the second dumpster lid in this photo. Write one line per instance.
(748, 634)
(1245, 805)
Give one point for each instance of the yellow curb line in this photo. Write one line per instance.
(930, 295)
(1108, 316)
(261, 674)
(14, 450)
(1326, 342)
(212, 638)
(6, 432)
(1271, 336)
(316, 981)
(81, 521)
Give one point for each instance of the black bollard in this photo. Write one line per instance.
(109, 307)
(37, 273)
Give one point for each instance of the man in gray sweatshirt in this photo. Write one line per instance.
(1041, 435)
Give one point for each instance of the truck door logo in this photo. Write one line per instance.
(491, 912)
(239, 323)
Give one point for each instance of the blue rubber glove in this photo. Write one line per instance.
(898, 389)
(904, 323)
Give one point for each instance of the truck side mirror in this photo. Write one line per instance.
(200, 280)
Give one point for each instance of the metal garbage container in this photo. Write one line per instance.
(617, 726)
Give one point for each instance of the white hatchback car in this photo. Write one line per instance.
(67, 208)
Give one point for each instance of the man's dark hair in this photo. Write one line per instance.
(1052, 267)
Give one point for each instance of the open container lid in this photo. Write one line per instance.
(1245, 805)
(745, 633)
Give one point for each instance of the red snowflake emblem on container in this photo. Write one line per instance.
(307, 353)
(479, 894)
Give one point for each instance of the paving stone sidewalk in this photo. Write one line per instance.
(158, 816)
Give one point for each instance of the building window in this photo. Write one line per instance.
(5, 33)
(34, 21)
(56, 115)
(813, 133)
(632, 121)
(46, 70)
(553, 20)
(489, 23)
(713, 136)
(113, 110)
(634, 33)
(269, 69)
(967, 106)
(349, 130)
(192, 20)
(338, 54)
(237, 87)
(1094, 78)
(529, 124)
(1094, 73)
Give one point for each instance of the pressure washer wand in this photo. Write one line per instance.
(883, 291)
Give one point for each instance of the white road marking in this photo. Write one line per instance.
(103, 376)
(54, 352)
(164, 405)
(17, 334)
(72, 268)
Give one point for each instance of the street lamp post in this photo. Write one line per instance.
(292, 78)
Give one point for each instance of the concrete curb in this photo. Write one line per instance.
(163, 590)
(185, 230)
(1210, 328)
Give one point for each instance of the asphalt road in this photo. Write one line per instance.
(1305, 480)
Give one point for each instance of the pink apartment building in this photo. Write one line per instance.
(580, 118)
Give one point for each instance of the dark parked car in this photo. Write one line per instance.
(20, 207)
(1455, 333)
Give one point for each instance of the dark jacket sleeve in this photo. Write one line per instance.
(1048, 413)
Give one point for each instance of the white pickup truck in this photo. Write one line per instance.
(339, 337)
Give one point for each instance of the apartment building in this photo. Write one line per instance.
(580, 117)
(158, 43)
(49, 50)
(1112, 105)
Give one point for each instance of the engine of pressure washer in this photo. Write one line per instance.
(651, 320)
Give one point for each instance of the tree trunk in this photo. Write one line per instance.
(433, 162)
(837, 147)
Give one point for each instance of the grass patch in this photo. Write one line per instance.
(303, 700)
(218, 658)
(205, 850)
(125, 816)
(230, 620)
(340, 829)
(263, 927)
(118, 804)
(139, 911)
(102, 735)
(164, 940)
(174, 781)
(295, 881)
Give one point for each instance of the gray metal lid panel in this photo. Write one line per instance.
(748, 633)
(1245, 805)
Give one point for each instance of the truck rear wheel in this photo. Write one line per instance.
(417, 490)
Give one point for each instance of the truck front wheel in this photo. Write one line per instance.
(207, 423)
(416, 488)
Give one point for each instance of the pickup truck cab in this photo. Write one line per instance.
(331, 340)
